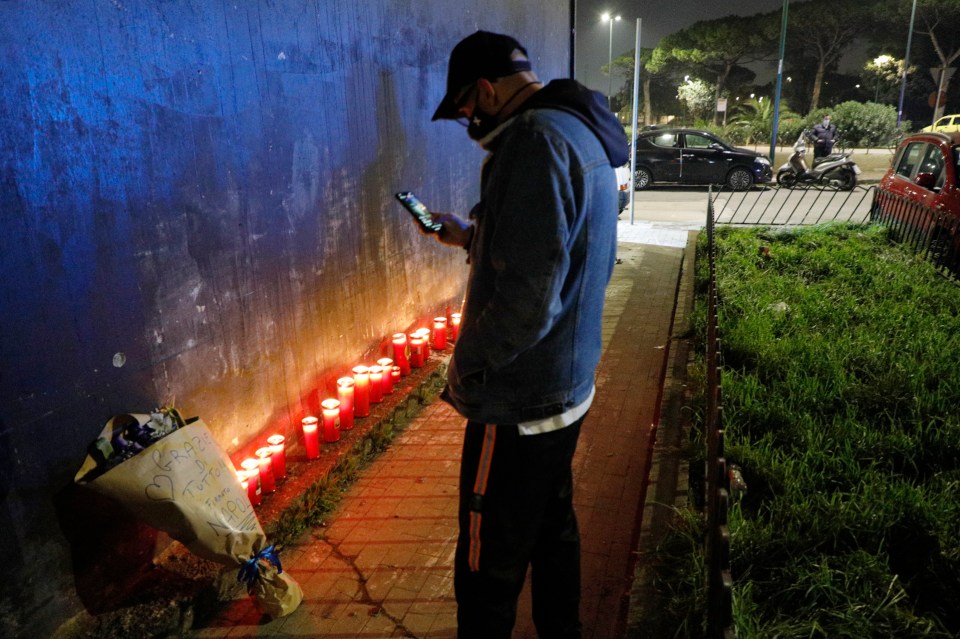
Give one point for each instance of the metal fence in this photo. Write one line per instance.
(799, 206)
(717, 498)
(932, 233)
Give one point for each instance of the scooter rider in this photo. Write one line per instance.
(824, 134)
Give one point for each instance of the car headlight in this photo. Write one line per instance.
(762, 160)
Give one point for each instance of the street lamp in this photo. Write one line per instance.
(611, 19)
(879, 62)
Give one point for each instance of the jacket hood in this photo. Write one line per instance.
(588, 105)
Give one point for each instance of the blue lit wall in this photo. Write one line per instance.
(196, 208)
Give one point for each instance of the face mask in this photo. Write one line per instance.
(826, 122)
(483, 124)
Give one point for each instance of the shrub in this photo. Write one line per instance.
(861, 124)
(753, 123)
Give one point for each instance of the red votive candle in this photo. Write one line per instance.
(311, 437)
(361, 391)
(345, 396)
(454, 326)
(400, 352)
(416, 351)
(278, 460)
(331, 420)
(251, 467)
(439, 333)
(268, 482)
(424, 334)
(249, 484)
(376, 384)
(395, 374)
(386, 367)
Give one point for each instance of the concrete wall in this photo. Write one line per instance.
(196, 208)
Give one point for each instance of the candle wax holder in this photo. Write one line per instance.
(400, 356)
(278, 460)
(331, 420)
(249, 483)
(386, 367)
(268, 482)
(454, 326)
(252, 469)
(376, 384)
(416, 352)
(311, 436)
(345, 396)
(361, 391)
(424, 334)
(439, 333)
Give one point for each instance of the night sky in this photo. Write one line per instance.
(659, 19)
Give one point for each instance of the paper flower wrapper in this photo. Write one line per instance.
(186, 486)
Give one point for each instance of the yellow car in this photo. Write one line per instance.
(946, 124)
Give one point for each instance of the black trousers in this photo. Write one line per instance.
(516, 511)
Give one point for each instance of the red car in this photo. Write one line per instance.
(920, 194)
(925, 171)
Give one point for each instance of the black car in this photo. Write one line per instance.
(690, 156)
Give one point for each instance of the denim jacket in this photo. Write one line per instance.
(542, 253)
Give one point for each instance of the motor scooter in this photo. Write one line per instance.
(836, 170)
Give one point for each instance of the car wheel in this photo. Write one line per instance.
(642, 179)
(787, 178)
(739, 179)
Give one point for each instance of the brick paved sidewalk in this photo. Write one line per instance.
(382, 565)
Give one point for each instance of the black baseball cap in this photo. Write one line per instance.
(479, 55)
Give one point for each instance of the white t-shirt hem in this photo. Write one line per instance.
(556, 422)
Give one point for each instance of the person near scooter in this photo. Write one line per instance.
(824, 135)
(838, 171)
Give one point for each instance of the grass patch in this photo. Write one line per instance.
(840, 389)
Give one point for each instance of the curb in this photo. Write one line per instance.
(667, 483)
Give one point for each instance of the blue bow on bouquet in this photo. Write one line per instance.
(251, 568)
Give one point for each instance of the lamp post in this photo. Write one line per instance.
(906, 67)
(611, 19)
(776, 97)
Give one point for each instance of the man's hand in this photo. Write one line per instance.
(455, 232)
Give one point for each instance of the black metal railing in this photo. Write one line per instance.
(797, 206)
(717, 497)
(933, 233)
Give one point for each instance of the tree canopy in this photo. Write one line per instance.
(726, 51)
(825, 30)
(714, 48)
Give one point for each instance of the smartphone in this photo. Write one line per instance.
(419, 212)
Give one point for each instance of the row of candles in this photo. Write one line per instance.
(368, 385)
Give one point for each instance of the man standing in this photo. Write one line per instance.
(824, 135)
(541, 246)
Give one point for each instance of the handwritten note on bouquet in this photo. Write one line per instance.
(192, 469)
(185, 485)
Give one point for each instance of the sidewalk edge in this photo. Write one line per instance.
(667, 482)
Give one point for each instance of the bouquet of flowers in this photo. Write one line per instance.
(170, 473)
